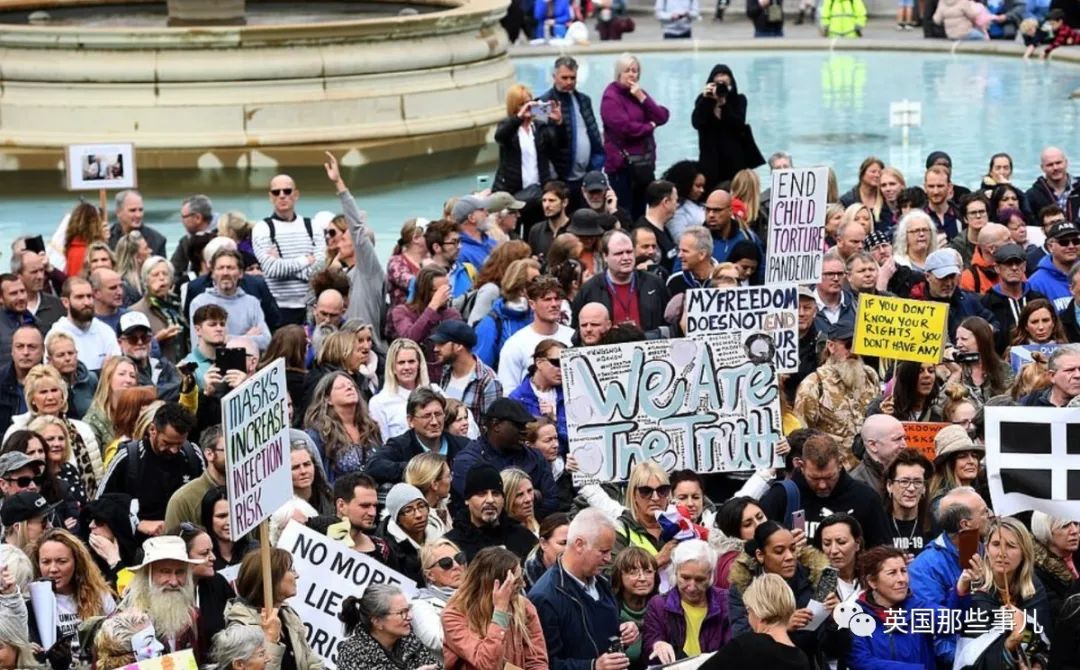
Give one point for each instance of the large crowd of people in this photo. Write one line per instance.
(429, 426)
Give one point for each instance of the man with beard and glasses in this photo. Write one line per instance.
(94, 340)
(162, 586)
(357, 499)
(834, 397)
(482, 523)
(135, 337)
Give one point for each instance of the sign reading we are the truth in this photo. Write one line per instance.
(907, 330)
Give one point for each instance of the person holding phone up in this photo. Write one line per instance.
(527, 143)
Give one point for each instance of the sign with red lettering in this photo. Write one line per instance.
(255, 420)
(796, 225)
(327, 572)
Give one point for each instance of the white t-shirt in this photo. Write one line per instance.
(67, 616)
(456, 388)
(517, 353)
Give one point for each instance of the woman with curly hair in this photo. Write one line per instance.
(338, 422)
(488, 623)
(81, 591)
(689, 183)
(86, 225)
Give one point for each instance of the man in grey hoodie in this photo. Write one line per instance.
(245, 314)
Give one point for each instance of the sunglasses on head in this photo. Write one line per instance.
(447, 562)
(662, 491)
(280, 191)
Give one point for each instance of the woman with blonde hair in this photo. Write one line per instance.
(59, 456)
(407, 259)
(430, 472)
(526, 148)
(406, 370)
(860, 214)
(488, 623)
(337, 421)
(834, 214)
(85, 225)
(236, 227)
(444, 571)
(81, 591)
(488, 282)
(509, 313)
(98, 255)
(770, 604)
(167, 321)
(46, 394)
(520, 498)
(746, 186)
(892, 184)
(132, 251)
(339, 351)
(118, 373)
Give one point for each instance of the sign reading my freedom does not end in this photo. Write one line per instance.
(255, 421)
(907, 330)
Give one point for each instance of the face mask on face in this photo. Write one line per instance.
(146, 645)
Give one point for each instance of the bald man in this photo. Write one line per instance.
(593, 323)
(287, 246)
(726, 231)
(1055, 186)
(981, 275)
(883, 438)
(330, 308)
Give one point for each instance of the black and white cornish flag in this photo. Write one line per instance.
(1033, 460)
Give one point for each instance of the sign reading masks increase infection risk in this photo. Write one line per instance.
(703, 403)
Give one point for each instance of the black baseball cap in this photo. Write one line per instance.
(457, 332)
(23, 507)
(1009, 252)
(507, 409)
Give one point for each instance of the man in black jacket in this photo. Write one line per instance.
(482, 522)
(580, 145)
(1055, 186)
(426, 411)
(1006, 299)
(629, 295)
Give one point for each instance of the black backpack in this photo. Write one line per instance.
(132, 476)
(269, 221)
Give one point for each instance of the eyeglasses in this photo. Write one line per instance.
(280, 191)
(23, 482)
(447, 562)
(662, 491)
(430, 416)
(452, 242)
(919, 231)
(833, 275)
(640, 572)
(418, 508)
(977, 214)
(403, 614)
(906, 483)
(1069, 242)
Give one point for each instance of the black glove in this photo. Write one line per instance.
(58, 656)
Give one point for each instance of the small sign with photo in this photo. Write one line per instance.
(95, 167)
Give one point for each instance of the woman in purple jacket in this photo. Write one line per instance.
(692, 618)
(630, 118)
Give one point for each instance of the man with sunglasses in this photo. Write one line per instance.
(1012, 292)
(1051, 276)
(135, 338)
(287, 246)
(18, 473)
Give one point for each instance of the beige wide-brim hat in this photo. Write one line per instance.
(953, 439)
(165, 548)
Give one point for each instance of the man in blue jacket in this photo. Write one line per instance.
(573, 598)
(581, 147)
(1051, 276)
(503, 446)
(935, 571)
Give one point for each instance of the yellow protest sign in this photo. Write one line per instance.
(907, 330)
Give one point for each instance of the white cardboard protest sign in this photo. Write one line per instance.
(255, 420)
(327, 573)
(753, 311)
(695, 403)
(1033, 460)
(796, 225)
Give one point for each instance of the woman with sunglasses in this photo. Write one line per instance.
(488, 623)
(212, 591)
(444, 571)
(57, 490)
(379, 630)
(541, 392)
(290, 649)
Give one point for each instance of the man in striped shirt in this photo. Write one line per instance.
(286, 246)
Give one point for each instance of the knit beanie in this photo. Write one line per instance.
(481, 477)
(399, 496)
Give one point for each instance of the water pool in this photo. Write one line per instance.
(823, 108)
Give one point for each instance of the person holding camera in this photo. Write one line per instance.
(725, 141)
(526, 139)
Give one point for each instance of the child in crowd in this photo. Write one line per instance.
(1064, 35)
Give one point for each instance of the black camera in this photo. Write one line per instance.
(966, 357)
(722, 90)
(615, 645)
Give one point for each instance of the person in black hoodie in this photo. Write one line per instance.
(725, 142)
(482, 522)
(825, 488)
(107, 526)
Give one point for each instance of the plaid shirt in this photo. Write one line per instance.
(482, 388)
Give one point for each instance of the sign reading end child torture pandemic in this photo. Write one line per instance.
(797, 225)
(752, 311)
(1033, 460)
(706, 404)
(907, 330)
(255, 420)
(327, 572)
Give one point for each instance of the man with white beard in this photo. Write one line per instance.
(163, 587)
(834, 397)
